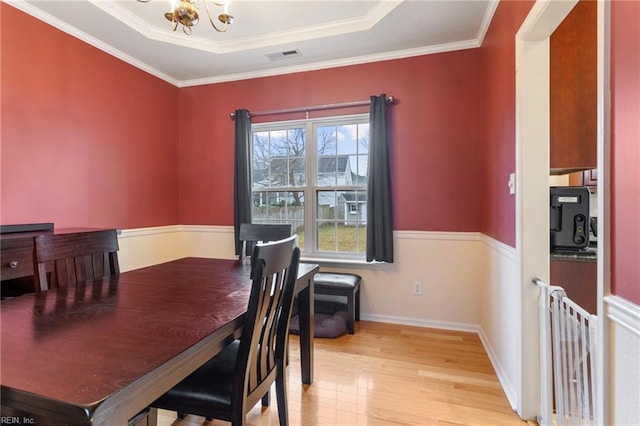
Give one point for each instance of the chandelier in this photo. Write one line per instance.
(187, 14)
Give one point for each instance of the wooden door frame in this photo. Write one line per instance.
(532, 168)
(532, 186)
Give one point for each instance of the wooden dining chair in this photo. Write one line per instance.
(230, 384)
(61, 260)
(252, 233)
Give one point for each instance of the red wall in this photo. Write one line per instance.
(438, 170)
(435, 123)
(87, 140)
(625, 142)
(497, 132)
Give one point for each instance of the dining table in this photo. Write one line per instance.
(101, 351)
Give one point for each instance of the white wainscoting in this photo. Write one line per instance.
(623, 319)
(447, 263)
(499, 317)
(208, 241)
(468, 281)
(448, 266)
(148, 246)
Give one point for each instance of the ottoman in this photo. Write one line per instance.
(341, 284)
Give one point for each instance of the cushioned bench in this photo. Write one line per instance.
(341, 284)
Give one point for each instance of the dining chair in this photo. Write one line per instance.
(230, 384)
(61, 260)
(252, 233)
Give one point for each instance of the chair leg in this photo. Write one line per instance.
(287, 352)
(357, 304)
(351, 312)
(180, 415)
(238, 418)
(266, 399)
(281, 396)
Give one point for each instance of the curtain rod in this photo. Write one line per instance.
(306, 109)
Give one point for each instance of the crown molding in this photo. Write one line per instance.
(369, 20)
(358, 60)
(284, 37)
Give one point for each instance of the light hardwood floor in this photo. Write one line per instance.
(388, 374)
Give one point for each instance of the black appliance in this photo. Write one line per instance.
(593, 232)
(569, 217)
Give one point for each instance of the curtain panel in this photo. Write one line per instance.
(242, 175)
(379, 202)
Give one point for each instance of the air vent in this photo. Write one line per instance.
(287, 54)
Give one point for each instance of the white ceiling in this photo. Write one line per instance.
(327, 33)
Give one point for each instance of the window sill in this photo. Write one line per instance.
(324, 261)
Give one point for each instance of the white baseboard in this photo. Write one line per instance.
(443, 325)
(503, 377)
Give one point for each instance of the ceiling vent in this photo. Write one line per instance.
(287, 54)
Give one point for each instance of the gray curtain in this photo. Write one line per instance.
(379, 203)
(242, 175)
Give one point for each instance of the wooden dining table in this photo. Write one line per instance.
(99, 352)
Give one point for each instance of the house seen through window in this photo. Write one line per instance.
(313, 174)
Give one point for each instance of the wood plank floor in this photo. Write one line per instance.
(388, 374)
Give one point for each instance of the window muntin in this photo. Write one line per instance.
(323, 161)
(280, 207)
(278, 158)
(338, 229)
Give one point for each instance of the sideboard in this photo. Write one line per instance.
(16, 254)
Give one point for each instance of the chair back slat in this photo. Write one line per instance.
(252, 233)
(265, 332)
(76, 257)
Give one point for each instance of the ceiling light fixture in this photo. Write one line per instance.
(187, 14)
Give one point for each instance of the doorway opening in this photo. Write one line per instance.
(532, 185)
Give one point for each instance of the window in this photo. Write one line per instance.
(313, 174)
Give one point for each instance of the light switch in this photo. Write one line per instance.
(512, 183)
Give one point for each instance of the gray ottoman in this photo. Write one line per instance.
(341, 284)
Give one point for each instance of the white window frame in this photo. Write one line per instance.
(311, 189)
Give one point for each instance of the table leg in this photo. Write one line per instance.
(152, 418)
(306, 315)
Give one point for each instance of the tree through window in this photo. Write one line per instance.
(313, 175)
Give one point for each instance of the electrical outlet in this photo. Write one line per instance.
(417, 288)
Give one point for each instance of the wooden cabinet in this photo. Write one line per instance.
(579, 280)
(573, 90)
(584, 178)
(16, 251)
(16, 263)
